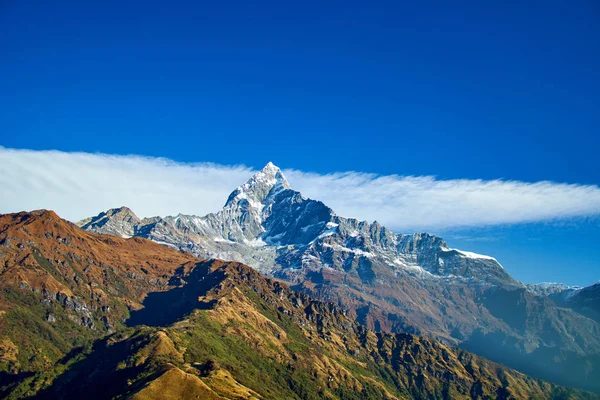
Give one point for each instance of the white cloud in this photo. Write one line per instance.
(421, 203)
(77, 185)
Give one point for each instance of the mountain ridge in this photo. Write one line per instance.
(251, 205)
(230, 332)
(390, 282)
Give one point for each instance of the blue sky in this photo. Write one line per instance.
(474, 91)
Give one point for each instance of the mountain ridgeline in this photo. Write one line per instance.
(85, 315)
(388, 282)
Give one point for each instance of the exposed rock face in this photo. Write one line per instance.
(116, 221)
(388, 281)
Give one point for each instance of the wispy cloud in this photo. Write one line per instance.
(77, 185)
(474, 238)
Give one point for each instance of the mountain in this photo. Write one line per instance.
(268, 225)
(389, 282)
(585, 301)
(86, 315)
(117, 221)
(546, 289)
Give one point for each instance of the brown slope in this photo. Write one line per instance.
(253, 337)
(63, 287)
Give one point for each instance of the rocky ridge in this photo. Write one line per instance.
(273, 228)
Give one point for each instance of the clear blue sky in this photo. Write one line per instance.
(493, 89)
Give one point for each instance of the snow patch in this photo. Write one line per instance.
(475, 255)
(469, 254)
(255, 242)
(220, 239)
(166, 244)
(346, 249)
(413, 267)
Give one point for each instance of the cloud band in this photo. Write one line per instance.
(77, 185)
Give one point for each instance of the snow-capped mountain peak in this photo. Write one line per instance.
(269, 226)
(411, 283)
(266, 182)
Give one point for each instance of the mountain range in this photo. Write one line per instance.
(390, 283)
(87, 315)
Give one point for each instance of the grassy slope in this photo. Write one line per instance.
(259, 340)
(226, 330)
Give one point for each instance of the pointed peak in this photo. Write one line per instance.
(116, 221)
(258, 187)
(270, 168)
(269, 172)
(120, 210)
(270, 175)
(266, 179)
(117, 214)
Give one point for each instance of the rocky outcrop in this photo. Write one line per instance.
(116, 221)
